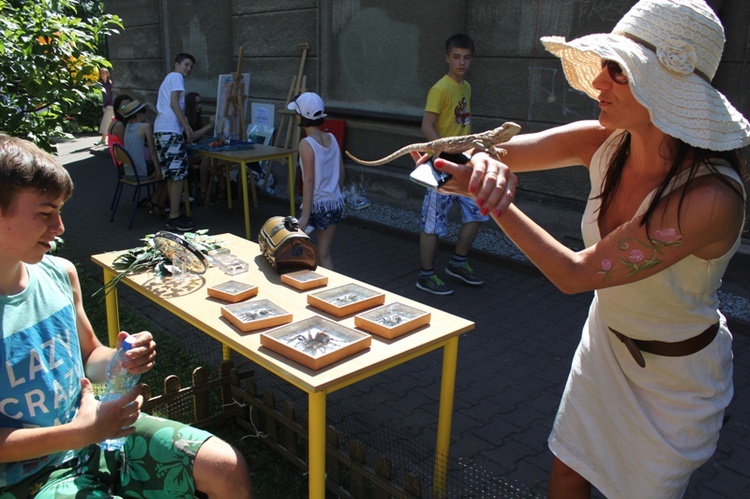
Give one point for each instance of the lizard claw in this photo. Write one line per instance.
(496, 152)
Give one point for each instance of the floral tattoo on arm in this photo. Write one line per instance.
(641, 255)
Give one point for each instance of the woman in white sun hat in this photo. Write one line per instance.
(649, 382)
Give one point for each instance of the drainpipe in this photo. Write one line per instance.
(165, 35)
(742, 73)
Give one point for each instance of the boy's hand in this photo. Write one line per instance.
(458, 185)
(98, 421)
(302, 222)
(141, 357)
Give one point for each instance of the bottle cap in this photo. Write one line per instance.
(127, 343)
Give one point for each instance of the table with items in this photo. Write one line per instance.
(245, 153)
(318, 330)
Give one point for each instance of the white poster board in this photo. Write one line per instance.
(262, 114)
(227, 115)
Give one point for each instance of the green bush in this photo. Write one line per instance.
(86, 115)
(50, 52)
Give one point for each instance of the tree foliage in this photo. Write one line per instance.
(49, 59)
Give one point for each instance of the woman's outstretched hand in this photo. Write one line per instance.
(486, 179)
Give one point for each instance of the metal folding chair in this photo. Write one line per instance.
(128, 175)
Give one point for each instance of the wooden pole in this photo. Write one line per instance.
(285, 113)
(292, 122)
(305, 47)
(288, 130)
(236, 97)
(241, 95)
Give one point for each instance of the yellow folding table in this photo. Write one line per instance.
(191, 303)
(258, 153)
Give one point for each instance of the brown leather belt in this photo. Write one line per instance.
(666, 349)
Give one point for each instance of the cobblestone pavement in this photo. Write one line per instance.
(511, 368)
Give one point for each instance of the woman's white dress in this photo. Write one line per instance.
(640, 432)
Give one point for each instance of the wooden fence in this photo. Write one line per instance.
(350, 472)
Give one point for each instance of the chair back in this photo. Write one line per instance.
(338, 129)
(111, 141)
(124, 161)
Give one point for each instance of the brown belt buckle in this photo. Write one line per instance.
(632, 348)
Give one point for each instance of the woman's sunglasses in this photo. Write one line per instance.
(615, 71)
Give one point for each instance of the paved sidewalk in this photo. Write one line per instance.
(512, 367)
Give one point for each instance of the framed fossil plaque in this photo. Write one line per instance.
(233, 291)
(345, 300)
(315, 342)
(304, 279)
(255, 314)
(392, 320)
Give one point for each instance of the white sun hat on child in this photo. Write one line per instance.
(309, 105)
(669, 50)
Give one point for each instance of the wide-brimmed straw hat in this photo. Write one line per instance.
(669, 50)
(132, 108)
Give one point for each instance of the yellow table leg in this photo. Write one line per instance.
(228, 182)
(226, 352)
(245, 202)
(113, 312)
(445, 415)
(316, 454)
(292, 175)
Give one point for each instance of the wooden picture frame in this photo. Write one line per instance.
(392, 320)
(345, 300)
(304, 279)
(315, 342)
(233, 291)
(255, 314)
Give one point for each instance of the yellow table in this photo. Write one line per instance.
(259, 153)
(191, 303)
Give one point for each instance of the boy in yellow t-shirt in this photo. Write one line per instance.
(448, 113)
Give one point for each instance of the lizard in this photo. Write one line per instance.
(485, 141)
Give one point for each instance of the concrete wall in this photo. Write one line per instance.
(156, 31)
(374, 60)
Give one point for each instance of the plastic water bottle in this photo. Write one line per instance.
(119, 382)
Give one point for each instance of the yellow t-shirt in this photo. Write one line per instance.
(450, 100)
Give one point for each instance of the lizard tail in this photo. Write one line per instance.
(363, 162)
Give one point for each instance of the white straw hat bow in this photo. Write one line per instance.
(669, 50)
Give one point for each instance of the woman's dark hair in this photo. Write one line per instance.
(192, 111)
(684, 152)
(117, 104)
